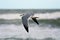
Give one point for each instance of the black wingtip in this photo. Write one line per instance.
(26, 28)
(38, 23)
(27, 31)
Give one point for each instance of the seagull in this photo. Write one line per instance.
(25, 20)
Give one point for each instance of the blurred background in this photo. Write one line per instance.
(11, 27)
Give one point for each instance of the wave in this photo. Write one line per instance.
(42, 22)
(26, 39)
(28, 10)
(15, 21)
(40, 15)
(53, 22)
(14, 32)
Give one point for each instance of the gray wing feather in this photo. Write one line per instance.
(25, 22)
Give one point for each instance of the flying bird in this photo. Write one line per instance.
(25, 20)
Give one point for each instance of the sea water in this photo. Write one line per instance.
(11, 28)
(42, 31)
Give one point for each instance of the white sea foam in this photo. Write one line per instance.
(40, 15)
(54, 15)
(8, 31)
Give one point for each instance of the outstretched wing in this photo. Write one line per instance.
(25, 22)
(35, 20)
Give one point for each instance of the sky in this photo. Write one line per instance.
(29, 4)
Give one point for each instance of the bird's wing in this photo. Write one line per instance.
(25, 22)
(35, 20)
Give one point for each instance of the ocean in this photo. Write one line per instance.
(11, 28)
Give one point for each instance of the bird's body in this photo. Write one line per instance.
(25, 20)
